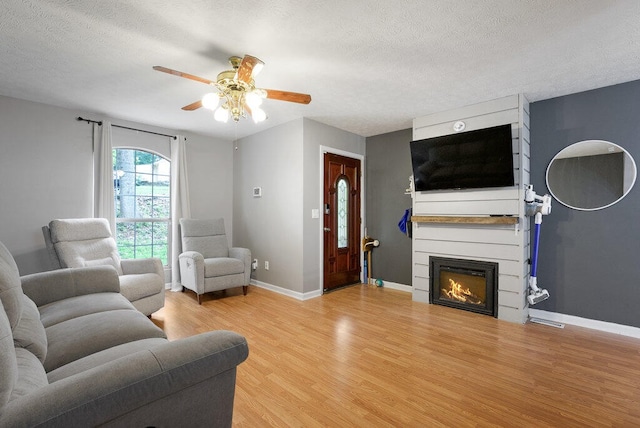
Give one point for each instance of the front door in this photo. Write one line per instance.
(341, 221)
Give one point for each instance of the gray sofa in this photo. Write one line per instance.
(75, 352)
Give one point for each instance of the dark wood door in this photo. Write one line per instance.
(341, 221)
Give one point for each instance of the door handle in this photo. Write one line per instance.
(326, 229)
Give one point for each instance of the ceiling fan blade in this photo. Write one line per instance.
(293, 97)
(193, 106)
(249, 68)
(185, 75)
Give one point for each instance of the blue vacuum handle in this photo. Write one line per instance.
(534, 258)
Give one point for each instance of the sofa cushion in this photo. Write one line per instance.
(8, 362)
(78, 337)
(206, 237)
(31, 375)
(102, 357)
(137, 286)
(83, 242)
(79, 229)
(10, 287)
(210, 246)
(29, 333)
(222, 266)
(78, 306)
(88, 253)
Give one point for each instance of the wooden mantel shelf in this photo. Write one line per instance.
(466, 220)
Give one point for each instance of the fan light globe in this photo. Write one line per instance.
(210, 101)
(221, 115)
(253, 100)
(258, 115)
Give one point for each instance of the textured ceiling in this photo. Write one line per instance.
(370, 66)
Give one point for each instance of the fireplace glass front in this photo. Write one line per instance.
(464, 284)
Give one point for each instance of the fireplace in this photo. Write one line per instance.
(464, 284)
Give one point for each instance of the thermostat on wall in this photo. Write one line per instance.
(257, 192)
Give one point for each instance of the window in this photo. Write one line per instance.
(343, 205)
(141, 182)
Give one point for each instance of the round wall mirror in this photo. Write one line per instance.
(591, 175)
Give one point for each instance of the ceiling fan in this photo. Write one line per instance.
(237, 94)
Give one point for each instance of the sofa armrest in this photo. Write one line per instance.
(192, 271)
(47, 287)
(187, 382)
(136, 266)
(243, 254)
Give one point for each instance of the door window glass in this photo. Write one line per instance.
(343, 203)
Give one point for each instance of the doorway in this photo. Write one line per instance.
(341, 219)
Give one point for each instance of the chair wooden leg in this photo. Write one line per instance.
(199, 299)
(184, 288)
(245, 288)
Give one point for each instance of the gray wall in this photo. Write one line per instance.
(46, 163)
(271, 225)
(588, 260)
(388, 171)
(285, 162)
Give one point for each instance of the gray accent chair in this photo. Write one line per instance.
(74, 352)
(82, 242)
(207, 263)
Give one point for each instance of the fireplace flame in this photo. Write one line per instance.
(457, 291)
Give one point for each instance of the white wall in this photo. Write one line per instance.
(46, 170)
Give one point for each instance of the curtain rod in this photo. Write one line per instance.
(124, 127)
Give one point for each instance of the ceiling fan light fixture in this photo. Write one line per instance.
(258, 115)
(210, 101)
(221, 114)
(237, 90)
(253, 99)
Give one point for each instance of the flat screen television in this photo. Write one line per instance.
(467, 160)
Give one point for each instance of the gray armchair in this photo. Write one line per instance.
(82, 242)
(207, 263)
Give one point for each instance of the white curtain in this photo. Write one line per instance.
(103, 168)
(180, 207)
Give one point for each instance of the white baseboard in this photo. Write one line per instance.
(609, 327)
(286, 291)
(394, 286)
(318, 293)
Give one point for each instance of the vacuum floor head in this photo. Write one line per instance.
(537, 296)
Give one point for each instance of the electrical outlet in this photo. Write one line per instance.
(266, 265)
(254, 265)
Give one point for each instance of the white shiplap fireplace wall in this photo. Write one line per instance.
(507, 245)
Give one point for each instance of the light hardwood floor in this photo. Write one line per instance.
(371, 357)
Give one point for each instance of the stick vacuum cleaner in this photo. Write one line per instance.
(536, 206)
